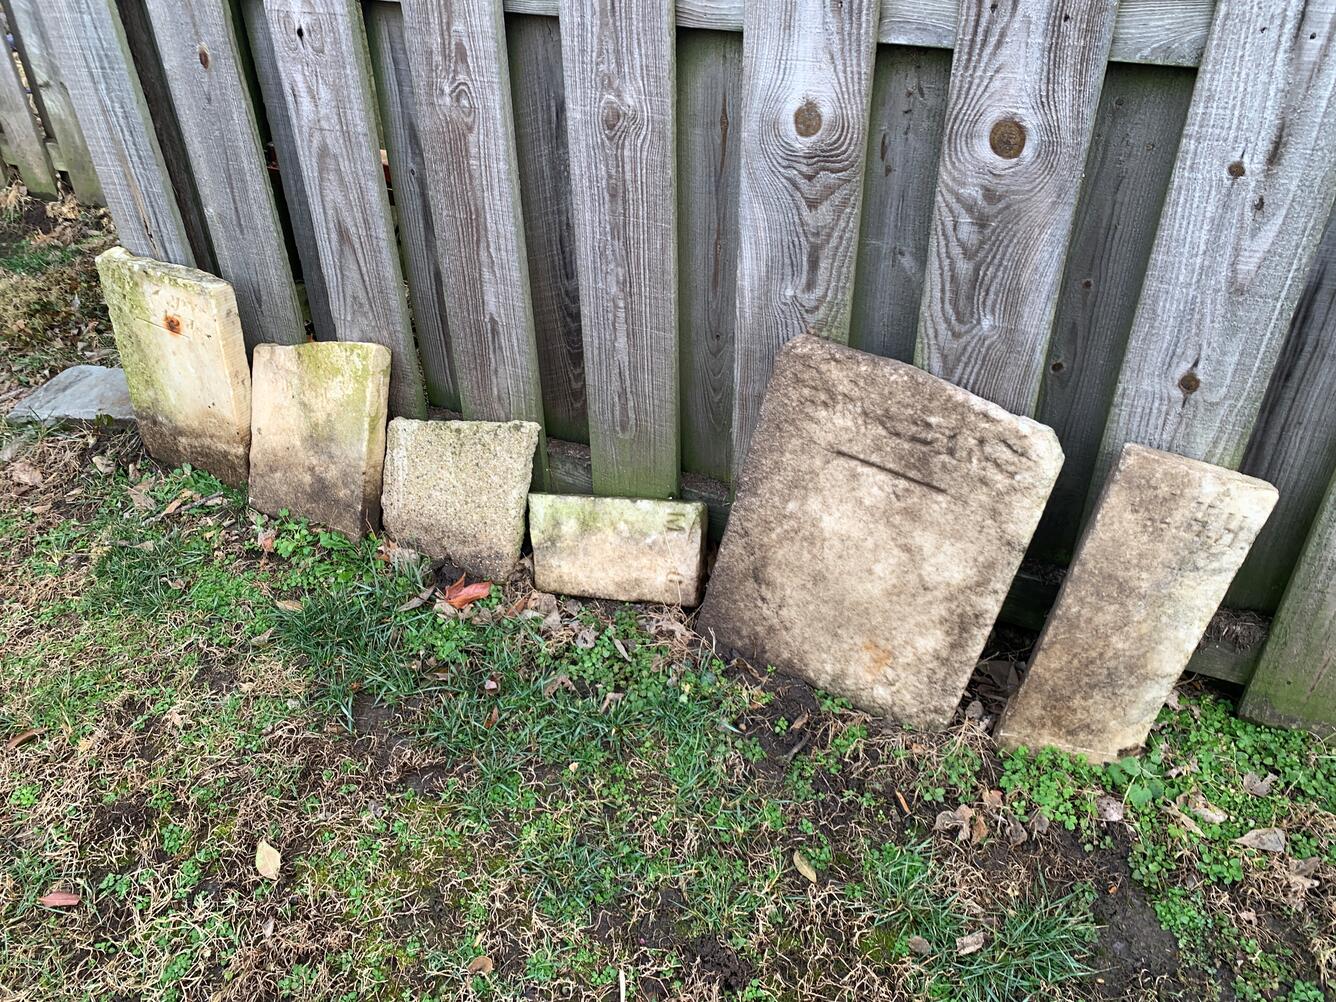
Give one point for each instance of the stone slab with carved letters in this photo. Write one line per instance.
(180, 343)
(629, 549)
(1163, 544)
(880, 518)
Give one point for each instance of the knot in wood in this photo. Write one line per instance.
(1007, 138)
(204, 55)
(612, 114)
(1190, 383)
(807, 119)
(1236, 169)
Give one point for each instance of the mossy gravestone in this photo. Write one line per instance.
(457, 489)
(318, 428)
(184, 356)
(880, 518)
(1164, 541)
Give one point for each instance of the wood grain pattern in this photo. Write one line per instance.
(808, 81)
(25, 146)
(91, 49)
(462, 85)
(904, 144)
(1294, 441)
(53, 100)
(321, 55)
(1251, 191)
(709, 97)
(1295, 681)
(1137, 129)
(1025, 85)
(412, 203)
(618, 62)
(538, 90)
(197, 44)
(291, 185)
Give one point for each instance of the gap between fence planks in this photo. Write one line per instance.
(320, 52)
(1025, 83)
(618, 65)
(25, 147)
(808, 68)
(1251, 190)
(412, 202)
(197, 44)
(462, 87)
(94, 57)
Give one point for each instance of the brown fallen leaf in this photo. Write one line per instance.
(103, 465)
(481, 965)
(957, 821)
(804, 866)
(23, 737)
(978, 828)
(1257, 786)
(267, 860)
(59, 899)
(460, 594)
(992, 799)
(418, 600)
(560, 682)
(973, 943)
(23, 472)
(266, 538)
(919, 945)
(492, 718)
(1263, 839)
(289, 605)
(1204, 810)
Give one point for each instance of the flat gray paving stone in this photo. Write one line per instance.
(80, 394)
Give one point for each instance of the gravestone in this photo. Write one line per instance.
(318, 431)
(880, 518)
(458, 489)
(184, 356)
(628, 549)
(1163, 544)
(79, 394)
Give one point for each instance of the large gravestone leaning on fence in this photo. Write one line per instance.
(1162, 546)
(318, 431)
(880, 518)
(185, 361)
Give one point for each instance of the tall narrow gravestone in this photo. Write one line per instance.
(184, 356)
(880, 518)
(1165, 540)
(319, 432)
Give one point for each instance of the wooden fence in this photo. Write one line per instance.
(607, 215)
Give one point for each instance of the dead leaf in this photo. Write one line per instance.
(973, 943)
(1264, 839)
(23, 472)
(1258, 786)
(974, 711)
(460, 594)
(804, 866)
(560, 682)
(481, 965)
(1016, 833)
(586, 638)
(1199, 806)
(139, 498)
(265, 538)
(992, 799)
(267, 860)
(919, 945)
(418, 600)
(611, 700)
(957, 821)
(1109, 808)
(59, 899)
(103, 464)
(23, 737)
(491, 686)
(492, 718)
(289, 605)
(978, 828)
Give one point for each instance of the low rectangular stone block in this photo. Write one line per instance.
(184, 356)
(79, 394)
(879, 520)
(318, 430)
(628, 549)
(458, 489)
(1163, 544)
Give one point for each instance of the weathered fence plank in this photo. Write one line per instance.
(1294, 442)
(1250, 193)
(1295, 682)
(197, 45)
(620, 102)
(1025, 84)
(904, 143)
(462, 85)
(321, 55)
(1140, 119)
(53, 100)
(24, 145)
(408, 175)
(94, 57)
(709, 98)
(808, 84)
(539, 94)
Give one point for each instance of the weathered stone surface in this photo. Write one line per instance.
(82, 393)
(629, 549)
(184, 356)
(1161, 548)
(458, 489)
(880, 517)
(318, 431)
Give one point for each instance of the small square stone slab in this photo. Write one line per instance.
(880, 518)
(80, 394)
(458, 489)
(184, 357)
(319, 432)
(1163, 544)
(628, 549)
